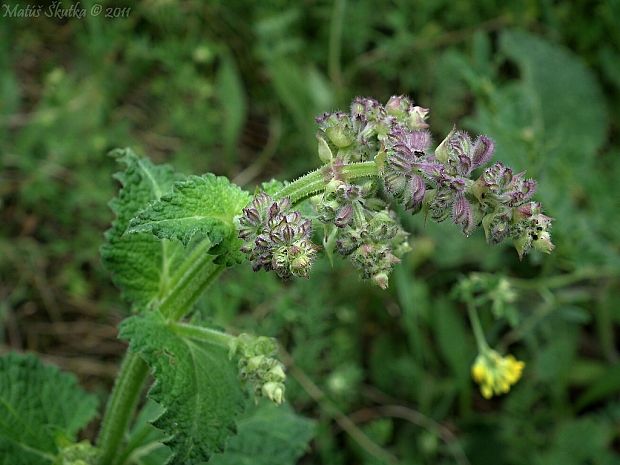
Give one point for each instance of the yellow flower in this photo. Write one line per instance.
(495, 374)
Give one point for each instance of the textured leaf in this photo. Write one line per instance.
(202, 206)
(196, 383)
(140, 264)
(560, 115)
(149, 448)
(272, 435)
(573, 92)
(38, 406)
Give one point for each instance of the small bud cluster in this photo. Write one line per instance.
(367, 231)
(259, 367)
(276, 238)
(357, 135)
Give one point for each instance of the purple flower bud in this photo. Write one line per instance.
(459, 144)
(529, 209)
(365, 108)
(414, 193)
(462, 213)
(397, 105)
(482, 151)
(344, 216)
(411, 143)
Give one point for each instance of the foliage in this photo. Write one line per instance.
(42, 410)
(195, 384)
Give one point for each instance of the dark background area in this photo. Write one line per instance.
(233, 88)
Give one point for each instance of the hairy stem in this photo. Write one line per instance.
(121, 406)
(191, 280)
(315, 181)
(199, 333)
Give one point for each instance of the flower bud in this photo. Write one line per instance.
(482, 151)
(397, 106)
(496, 226)
(462, 213)
(255, 362)
(344, 216)
(417, 118)
(273, 391)
(339, 131)
(542, 242)
(442, 152)
(522, 244)
(381, 280)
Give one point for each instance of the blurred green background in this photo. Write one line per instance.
(232, 87)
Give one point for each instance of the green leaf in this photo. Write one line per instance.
(39, 406)
(570, 102)
(272, 435)
(201, 206)
(606, 385)
(145, 442)
(580, 441)
(454, 340)
(232, 102)
(196, 383)
(140, 264)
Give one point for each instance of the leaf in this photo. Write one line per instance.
(39, 406)
(580, 441)
(196, 383)
(147, 441)
(272, 435)
(605, 386)
(570, 102)
(232, 101)
(201, 206)
(140, 264)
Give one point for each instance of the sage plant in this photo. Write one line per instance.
(174, 235)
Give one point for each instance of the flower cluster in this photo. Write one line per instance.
(368, 232)
(259, 367)
(495, 374)
(441, 183)
(393, 144)
(276, 238)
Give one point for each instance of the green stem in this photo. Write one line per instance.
(192, 278)
(121, 406)
(558, 281)
(481, 341)
(211, 336)
(314, 182)
(194, 281)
